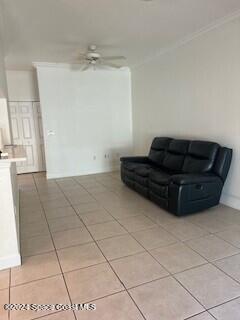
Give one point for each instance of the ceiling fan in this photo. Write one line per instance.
(93, 59)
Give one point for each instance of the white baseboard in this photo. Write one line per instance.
(81, 173)
(231, 201)
(10, 261)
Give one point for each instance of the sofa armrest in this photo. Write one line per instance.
(140, 159)
(186, 179)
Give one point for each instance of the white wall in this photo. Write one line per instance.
(4, 121)
(90, 114)
(22, 85)
(4, 118)
(3, 85)
(193, 92)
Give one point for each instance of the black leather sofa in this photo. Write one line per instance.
(181, 176)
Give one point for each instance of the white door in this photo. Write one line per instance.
(25, 132)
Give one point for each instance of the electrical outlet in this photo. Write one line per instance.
(94, 157)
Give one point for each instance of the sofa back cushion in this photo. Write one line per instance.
(200, 157)
(223, 162)
(175, 154)
(158, 149)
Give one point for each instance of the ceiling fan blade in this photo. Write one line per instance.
(75, 66)
(114, 58)
(82, 61)
(85, 67)
(112, 65)
(102, 66)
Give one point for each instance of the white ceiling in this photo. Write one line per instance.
(56, 30)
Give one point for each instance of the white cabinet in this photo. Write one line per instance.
(9, 212)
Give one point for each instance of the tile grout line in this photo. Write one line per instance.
(207, 261)
(55, 251)
(154, 259)
(146, 249)
(170, 274)
(198, 314)
(212, 263)
(107, 261)
(161, 266)
(196, 225)
(220, 304)
(32, 281)
(195, 267)
(233, 245)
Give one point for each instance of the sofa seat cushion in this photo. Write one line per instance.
(131, 166)
(143, 181)
(141, 189)
(129, 174)
(129, 182)
(161, 201)
(143, 171)
(159, 190)
(159, 177)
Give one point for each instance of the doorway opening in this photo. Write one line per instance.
(27, 131)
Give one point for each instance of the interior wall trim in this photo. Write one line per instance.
(230, 200)
(10, 261)
(184, 41)
(109, 168)
(69, 66)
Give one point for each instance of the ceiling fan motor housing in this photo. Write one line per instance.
(92, 47)
(93, 56)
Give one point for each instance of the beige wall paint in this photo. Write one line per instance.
(4, 121)
(3, 85)
(87, 119)
(193, 92)
(4, 117)
(22, 85)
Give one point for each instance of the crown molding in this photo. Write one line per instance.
(182, 42)
(69, 65)
(51, 65)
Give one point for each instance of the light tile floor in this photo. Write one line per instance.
(91, 239)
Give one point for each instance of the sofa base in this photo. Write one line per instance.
(141, 189)
(182, 200)
(162, 202)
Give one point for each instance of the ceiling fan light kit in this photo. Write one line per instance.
(93, 59)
